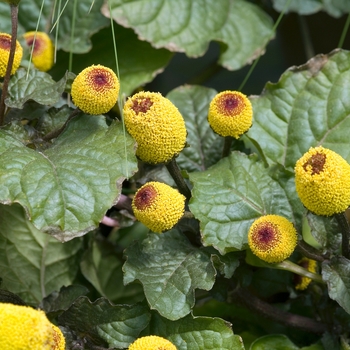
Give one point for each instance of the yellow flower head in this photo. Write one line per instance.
(152, 342)
(272, 238)
(158, 206)
(43, 52)
(322, 181)
(95, 90)
(301, 282)
(22, 327)
(5, 45)
(156, 125)
(230, 114)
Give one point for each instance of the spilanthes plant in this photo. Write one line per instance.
(43, 50)
(23, 327)
(230, 114)
(157, 126)
(152, 342)
(95, 89)
(322, 181)
(302, 282)
(5, 43)
(272, 238)
(158, 206)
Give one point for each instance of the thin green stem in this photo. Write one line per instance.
(14, 21)
(345, 231)
(344, 32)
(227, 146)
(70, 64)
(309, 251)
(305, 34)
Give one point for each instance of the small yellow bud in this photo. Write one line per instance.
(230, 114)
(5, 45)
(301, 282)
(152, 342)
(95, 90)
(158, 206)
(272, 238)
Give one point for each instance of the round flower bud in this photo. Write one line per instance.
(152, 342)
(301, 282)
(322, 181)
(230, 114)
(27, 329)
(156, 125)
(158, 206)
(95, 90)
(43, 52)
(5, 45)
(272, 238)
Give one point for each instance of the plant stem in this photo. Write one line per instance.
(309, 251)
(345, 30)
(305, 34)
(55, 133)
(175, 173)
(14, 21)
(345, 231)
(227, 146)
(259, 306)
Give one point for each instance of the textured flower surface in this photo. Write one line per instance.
(43, 51)
(301, 282)
(5, 44)
(156, 125)
(158, 206)
(272, 238)
(27, 329)
(152, 342)
(322, 181)
(230, 114)
(95, 90)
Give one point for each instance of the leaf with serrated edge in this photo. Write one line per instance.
(205, 147)
(104, 323)
(309, 106)
(189, 26)
(230, 195)
(337, 275)
(170, 269)
(197, 333)
(33, 264)
(67, 189)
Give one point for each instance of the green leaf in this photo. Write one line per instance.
(33, 264)
(170, 269)
(275, 341)
(37, 86)
(337, 275)
(189, 26)
(205, 147)
(309, 106)
(106, 324)
(197, 333)
(230, 195)
(67, 188)
(226, 264)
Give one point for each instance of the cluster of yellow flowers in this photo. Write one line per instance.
(22, 327)
(5, 45)
(301, 282)
(152, 342)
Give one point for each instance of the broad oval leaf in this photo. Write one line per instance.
(274, 341)
(309, 106)
(230, 195)
(33, 264)
(189, 25)
(67, 188)
(170, 269)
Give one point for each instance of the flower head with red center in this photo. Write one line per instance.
(301, 282)
(158, 206)
(152, 342)
(230, 114)
(43, 51)
(322, 181)
(157, 126)
(272, 238)
(5, 45)
(95, 90)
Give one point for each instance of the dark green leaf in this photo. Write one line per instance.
(104, 323)
(8, 297)
(278, 342)
(189, 26)
(170, 269)
(230, 195)
(33, 264)
(226, 264)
